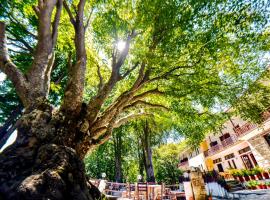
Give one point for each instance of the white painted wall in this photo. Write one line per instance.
(197, 161)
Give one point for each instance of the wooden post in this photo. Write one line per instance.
(129, 190)
(162, 191)
(136, 196)
(146, 193)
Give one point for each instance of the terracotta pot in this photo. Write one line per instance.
(241, 179)
(262, 186)
(253, 187)
(247, 178)
(259, 176)
(252, 177)
(268, 186)
(266, 175)
(210, 198)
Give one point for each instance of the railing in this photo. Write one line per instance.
(182, 164)
(145, 191)
(224, 144)
(229, 141)
(244, 129)
(239, 131)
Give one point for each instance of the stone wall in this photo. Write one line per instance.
(260, 150)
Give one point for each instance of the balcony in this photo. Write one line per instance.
(183, 164)
(242, 130)
(229, 141)
(218, 147)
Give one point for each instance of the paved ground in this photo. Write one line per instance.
(252, 195)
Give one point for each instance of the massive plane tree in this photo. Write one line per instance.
(123, 60)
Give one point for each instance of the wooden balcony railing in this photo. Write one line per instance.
(242, 130)
(224, 144)
(229, 141)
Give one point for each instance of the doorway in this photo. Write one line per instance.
(247, 162)
(220, 167)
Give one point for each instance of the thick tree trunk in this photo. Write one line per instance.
(43, 162)
(148, 154)
(118, 157)
(141, 159)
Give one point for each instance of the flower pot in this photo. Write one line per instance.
(265, 175)
(253, 187)
(259, 176)
(210, 198)
(247, 178)
(241, 179)
(262, 186)
(268, 186)
(252, 177)
(234, 177)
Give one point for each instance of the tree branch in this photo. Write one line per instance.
(126, 119)
(55, 23)
(100, 85)
(18, 39)
(144, 103)
(72, 20)
(74, 91)
(9, 68)
(96, 102)
(146, 94)
(130, 70)
(39, 73)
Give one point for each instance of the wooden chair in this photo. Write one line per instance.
(141, 191)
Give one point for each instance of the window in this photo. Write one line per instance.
(224, 137)
(230, 164)
(214, 143)
(217, 160)
(229, 156)
(244, 150)
(234, 164)
(267, 138)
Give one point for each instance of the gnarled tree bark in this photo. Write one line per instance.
(45, 162)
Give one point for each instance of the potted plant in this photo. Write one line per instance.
(252, 175)
(262, 186)
(265, 174)
(248, 184)
(233, 172)
(258, 172)
(246, 174)
(267, 184)
(210, 196)
(252, 184)
(237, 174)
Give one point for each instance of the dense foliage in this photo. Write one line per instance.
(81, 69)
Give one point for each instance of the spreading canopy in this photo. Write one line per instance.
(114, 61)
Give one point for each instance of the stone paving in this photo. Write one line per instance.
(252, 195)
